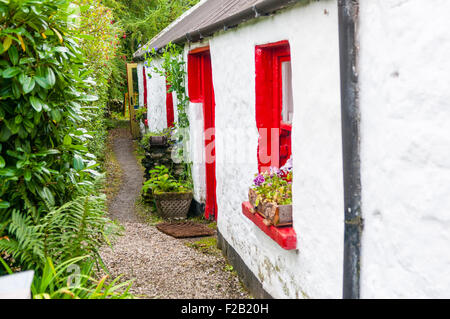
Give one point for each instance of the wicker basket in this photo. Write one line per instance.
(173, 205)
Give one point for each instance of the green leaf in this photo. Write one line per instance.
(51, 79)
(67, 140)
(27, 60)
(41, 78)
(11, 72)
(7, 172)
(47, 195)
(56, 115)
(5, 133)
(78, 163)
(7, 43)
(2, 162)
(13, 55)
(4, 205)
(27, 175)
(28, 85)
(36, 103)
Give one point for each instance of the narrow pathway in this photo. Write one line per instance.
(161, 266)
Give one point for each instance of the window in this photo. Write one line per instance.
(287, 100)
(274, 103)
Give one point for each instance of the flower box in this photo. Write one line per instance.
(283, 236)
(274, 214)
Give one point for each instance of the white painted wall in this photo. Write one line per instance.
(157, 119)
(156, 99)
(139, 72)
(405, 148)
(315, 270)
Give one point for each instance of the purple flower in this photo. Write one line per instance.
(274, 171)
(259, 180)
(288, 166)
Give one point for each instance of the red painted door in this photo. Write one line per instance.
(169, 107)
(201, 90)
(210, 150)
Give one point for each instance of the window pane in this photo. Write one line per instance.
(288, 107)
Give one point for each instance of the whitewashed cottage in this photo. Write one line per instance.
(359, 91)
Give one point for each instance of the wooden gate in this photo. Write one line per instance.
(133, 98)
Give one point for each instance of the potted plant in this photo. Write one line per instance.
(172, 197)
(160, 138)
(271, 196)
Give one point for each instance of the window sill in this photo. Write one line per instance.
(283, 236)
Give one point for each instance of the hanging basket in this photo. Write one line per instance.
(173, 205)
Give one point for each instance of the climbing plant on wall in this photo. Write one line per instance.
(173, 68)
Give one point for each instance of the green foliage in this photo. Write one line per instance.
(161, 181)
(43, 81)
(145, 140)
(75, 229)
(274, 188)
(100, 45)
(139, 114)
(74, 279)
(173, 68)
(142, 20)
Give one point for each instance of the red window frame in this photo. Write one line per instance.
(274, 144)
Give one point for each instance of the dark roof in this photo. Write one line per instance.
(210, 16)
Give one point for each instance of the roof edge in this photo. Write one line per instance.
(261, 9)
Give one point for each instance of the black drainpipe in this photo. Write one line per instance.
(348, 11)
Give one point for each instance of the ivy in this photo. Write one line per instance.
(174, 70)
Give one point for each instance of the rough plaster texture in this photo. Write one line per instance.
(315, 269)
(156, 92)
(197, 150)
(404, 73)
(156, 99)
(140, 77)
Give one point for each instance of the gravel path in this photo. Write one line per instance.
(161, 266)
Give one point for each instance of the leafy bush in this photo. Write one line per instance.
(74, 279)
(145, 140)
(77, 228)
(43, 157)
(49, 209)
(46, 171)
(161, 181)
(99, 42)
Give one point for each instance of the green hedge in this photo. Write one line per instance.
(44, 160)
